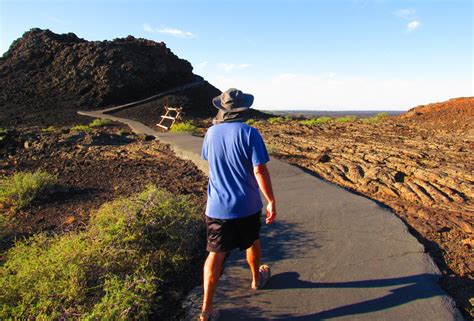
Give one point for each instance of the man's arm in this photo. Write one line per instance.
(263, 179)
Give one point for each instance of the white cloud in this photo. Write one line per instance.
(406, 14)
(148, 28)
(410, 15)
(415, 24)
(229, 67)
(202, 65)
(226, 67)
(56, 20)
(223, 83)
(169, 31)
(177, 33)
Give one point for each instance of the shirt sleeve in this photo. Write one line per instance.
(258, 150)
(204, 149)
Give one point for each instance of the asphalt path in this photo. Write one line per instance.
(334, 255)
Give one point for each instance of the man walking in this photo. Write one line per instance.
(237, 156)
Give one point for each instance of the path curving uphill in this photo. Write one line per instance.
(334, 255)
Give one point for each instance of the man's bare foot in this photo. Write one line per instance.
(209, 316)
(264, 275)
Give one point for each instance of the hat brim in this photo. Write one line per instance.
(245, 102)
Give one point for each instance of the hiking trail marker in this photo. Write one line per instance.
(169, 118)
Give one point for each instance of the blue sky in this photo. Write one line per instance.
(301, 54)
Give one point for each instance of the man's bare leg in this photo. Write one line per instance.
(212, 272)
(253, 254)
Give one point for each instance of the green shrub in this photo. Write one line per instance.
(276, 120)
(371, 120)
(346, 119)
(251, 122)
(44, 277)
(49, 129)
(100, 122)
(3, 133)
(316, 121)
(132, 260)
(3, 226)
(375, 119)
(20, 189)
(81, 128)
(131, 296)
(185, 127)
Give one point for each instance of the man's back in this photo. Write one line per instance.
(237, 170)
(233, 149)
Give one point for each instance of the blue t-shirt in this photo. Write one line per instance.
(233, 149)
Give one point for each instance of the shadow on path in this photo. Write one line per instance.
(281, 240)
(411, 288)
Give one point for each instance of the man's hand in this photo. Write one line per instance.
(265, 184)
(271, 212)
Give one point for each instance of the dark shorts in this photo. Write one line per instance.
(226, 235)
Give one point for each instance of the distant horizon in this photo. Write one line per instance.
(367, 54)
(334, 113)
(337, 111)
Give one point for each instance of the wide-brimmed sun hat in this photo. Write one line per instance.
(233, 100)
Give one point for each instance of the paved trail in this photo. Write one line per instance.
(334, 255)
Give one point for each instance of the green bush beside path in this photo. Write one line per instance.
(20, 189)
(132, 261)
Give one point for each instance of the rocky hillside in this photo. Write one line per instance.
(45, 77)
(452, 115)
